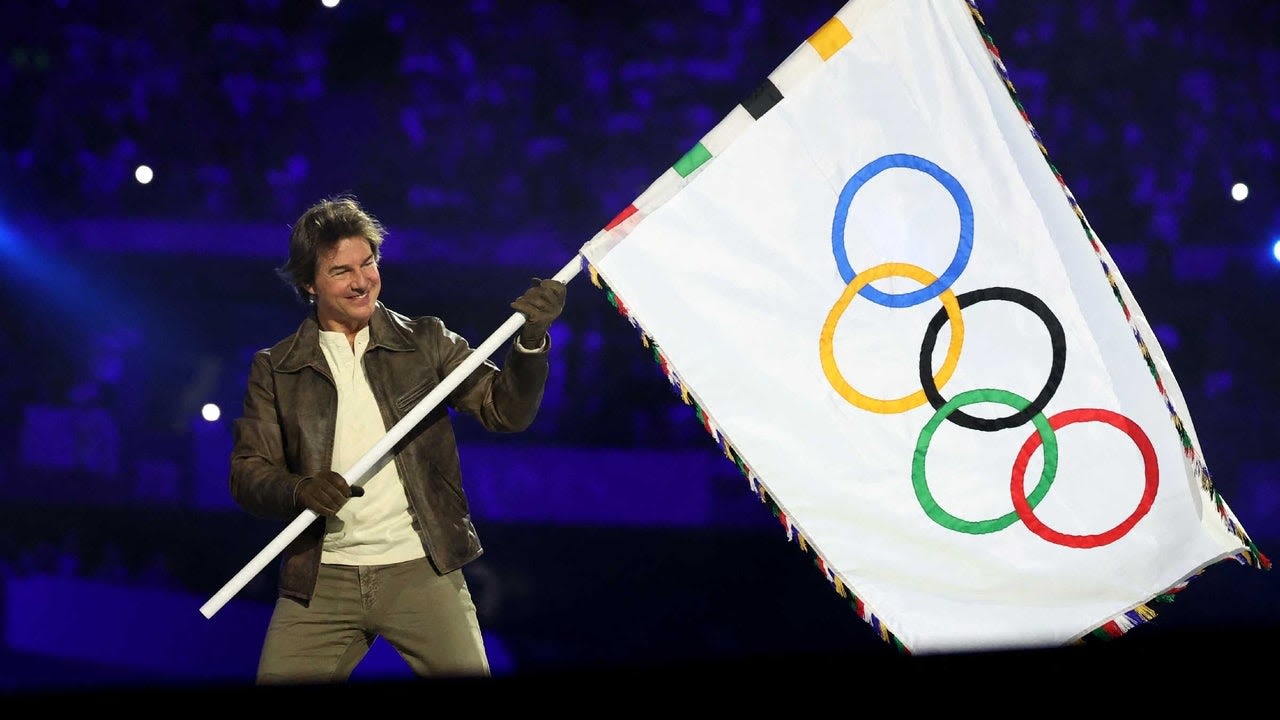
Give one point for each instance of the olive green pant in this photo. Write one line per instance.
(428, 618)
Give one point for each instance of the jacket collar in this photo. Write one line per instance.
(302, 348)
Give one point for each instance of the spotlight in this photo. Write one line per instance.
(210, 412)
(1239, 192)
(143, 174)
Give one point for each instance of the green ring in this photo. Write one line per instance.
(921, 485)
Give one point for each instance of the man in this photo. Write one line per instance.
(385, 560)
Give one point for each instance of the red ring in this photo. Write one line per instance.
(1062, 419)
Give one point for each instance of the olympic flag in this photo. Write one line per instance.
(887, 307)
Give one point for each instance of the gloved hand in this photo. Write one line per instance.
(540, 304)
(324, 493)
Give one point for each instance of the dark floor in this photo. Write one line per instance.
(1160, 671)
(713, 614)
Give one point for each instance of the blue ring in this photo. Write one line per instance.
(963, 250)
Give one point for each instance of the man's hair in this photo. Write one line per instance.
(319, 229)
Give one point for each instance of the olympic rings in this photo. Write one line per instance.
(940, 286)
(963, 250)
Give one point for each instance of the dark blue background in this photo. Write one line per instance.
(494, 138)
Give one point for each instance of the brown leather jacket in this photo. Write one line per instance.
(286, 430)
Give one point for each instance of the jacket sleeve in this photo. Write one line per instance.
(261, 483)
(502, 399)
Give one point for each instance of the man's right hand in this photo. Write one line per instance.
(324, 493)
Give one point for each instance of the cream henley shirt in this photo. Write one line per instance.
(375, 529)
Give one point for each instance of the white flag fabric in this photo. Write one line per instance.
(885, 304)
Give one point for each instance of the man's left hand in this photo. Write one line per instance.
(540, 305)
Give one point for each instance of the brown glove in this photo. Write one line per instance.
(324, 493)
(540, 304)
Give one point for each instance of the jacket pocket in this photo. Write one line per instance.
(408, 400)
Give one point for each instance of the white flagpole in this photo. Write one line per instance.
(356, 472)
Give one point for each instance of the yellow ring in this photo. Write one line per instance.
(825, 342)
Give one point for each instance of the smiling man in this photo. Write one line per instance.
(390, 562)
(346, 288)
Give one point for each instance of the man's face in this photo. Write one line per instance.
(346, 285)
